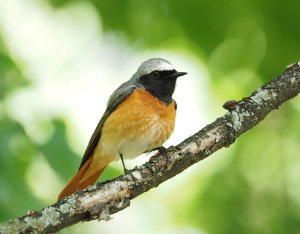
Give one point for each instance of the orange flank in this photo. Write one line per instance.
(142, 120)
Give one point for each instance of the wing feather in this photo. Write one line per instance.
(114, 101)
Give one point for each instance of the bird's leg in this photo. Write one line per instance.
(126, 171)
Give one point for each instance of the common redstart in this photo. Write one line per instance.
(139, 117)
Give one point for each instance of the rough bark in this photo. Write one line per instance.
(104, 199)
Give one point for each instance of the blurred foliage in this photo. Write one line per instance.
(243, 43)
(16, 148)
(16, 151)
(63, 154)
(10, 76)
(208, 24)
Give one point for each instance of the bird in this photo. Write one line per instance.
(139, 117)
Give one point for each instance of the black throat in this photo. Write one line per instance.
(164, 92)
(162, 88)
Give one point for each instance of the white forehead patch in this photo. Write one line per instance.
(154, 64)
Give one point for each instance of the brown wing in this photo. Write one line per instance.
(114, 101)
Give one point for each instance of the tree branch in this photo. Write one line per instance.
(104, 199)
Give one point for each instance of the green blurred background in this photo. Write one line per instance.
(60, 60)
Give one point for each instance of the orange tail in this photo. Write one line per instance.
(84, 177)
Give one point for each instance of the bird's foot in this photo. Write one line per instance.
(126, 171)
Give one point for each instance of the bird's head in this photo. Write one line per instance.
(158, 76)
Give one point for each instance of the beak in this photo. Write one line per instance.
(177, 74)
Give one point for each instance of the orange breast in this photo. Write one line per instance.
(141, 123)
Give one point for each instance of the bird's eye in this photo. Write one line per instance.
(156, 74)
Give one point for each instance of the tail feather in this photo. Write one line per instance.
(82, 179)
(90, 180)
